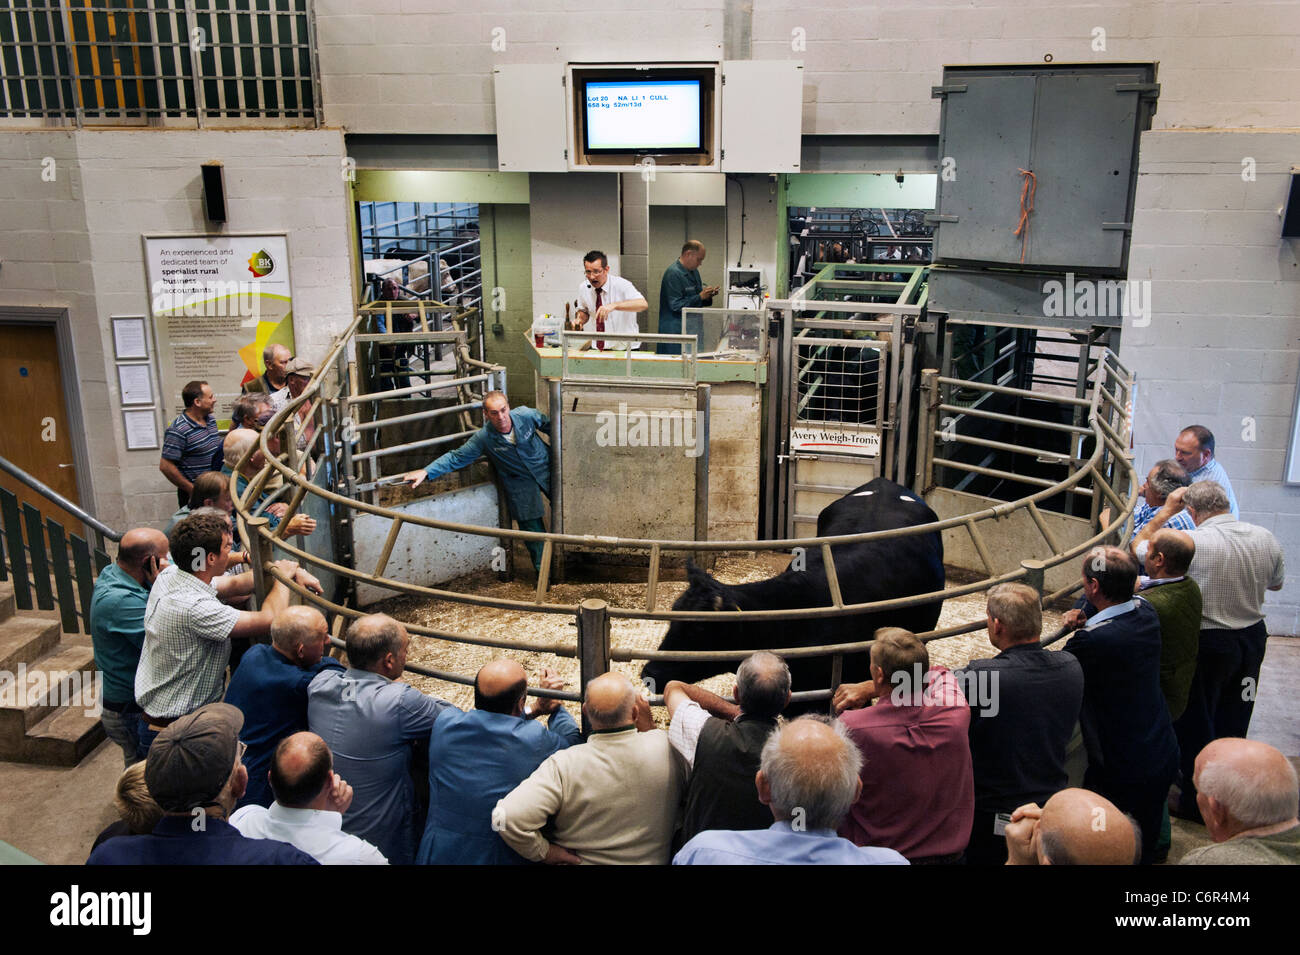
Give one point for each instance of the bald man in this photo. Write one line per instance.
(310, 799)
(808, 779)
(1248, 796)
(373, 723)
(611, 801)
(270, 687)
(275, 359)
(478, 757)
(117, 630)
(1074, 827)
(681, 287)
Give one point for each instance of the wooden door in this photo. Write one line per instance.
(35, 435)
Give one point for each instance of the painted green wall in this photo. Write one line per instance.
(507, 265)
(846, 190)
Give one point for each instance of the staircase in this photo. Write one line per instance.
(36, 725)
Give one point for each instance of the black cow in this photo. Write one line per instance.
(868, 571)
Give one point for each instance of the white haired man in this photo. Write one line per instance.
(1249, 797)
(808, 778)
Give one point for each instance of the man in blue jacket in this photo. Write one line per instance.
(478, 757)
(522, 460)
(1132, 750)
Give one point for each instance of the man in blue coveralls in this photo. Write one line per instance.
(522, 459)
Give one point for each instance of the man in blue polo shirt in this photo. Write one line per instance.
(270, 688)
(522, 460)
(1194, 449)
(192, 443)
(117, 630)
(196, 774)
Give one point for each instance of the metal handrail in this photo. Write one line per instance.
(1105, 444)
(101, 529)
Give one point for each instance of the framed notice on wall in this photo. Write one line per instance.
(141, 429)
(216, 301)
(130, 341)
(1292, 473)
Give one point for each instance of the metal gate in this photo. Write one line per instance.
(837, 420)
(842, 367)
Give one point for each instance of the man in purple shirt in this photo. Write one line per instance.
(918, 791)
(808, 778)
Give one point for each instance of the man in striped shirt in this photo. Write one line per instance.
(192, 444)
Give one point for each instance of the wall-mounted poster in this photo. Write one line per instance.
(217, 302)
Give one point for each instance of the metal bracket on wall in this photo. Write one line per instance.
(939, 92)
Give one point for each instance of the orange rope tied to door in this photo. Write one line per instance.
(1027, 190)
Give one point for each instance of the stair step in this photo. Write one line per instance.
(25, 640)
(7, 602)
(63, 739)
(64, 676)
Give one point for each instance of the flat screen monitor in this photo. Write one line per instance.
(643, 116)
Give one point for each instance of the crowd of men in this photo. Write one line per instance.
(283, 754)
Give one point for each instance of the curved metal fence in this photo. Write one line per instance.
(322, 410)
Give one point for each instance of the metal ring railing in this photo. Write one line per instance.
(1108, 457)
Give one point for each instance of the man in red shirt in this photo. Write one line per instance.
(918, 792)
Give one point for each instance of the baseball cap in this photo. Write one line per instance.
(191, 760)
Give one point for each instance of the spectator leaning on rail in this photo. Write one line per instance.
(1234, 563)
(1024, 703)
(236, 445)
(1132, 753)
(476, 758)
(1194, 449)
(722, 744)
(195, 773)
(1249, 796)
(192, 443)
(188, 623)
(808, 778)
(1162, 480)
(270, 688)
(918, 794)
(1074, 827)
(612, 800)
(310, 799)
(522, 461)
(117, 630)
(371, 722)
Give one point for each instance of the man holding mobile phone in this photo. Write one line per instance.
(117, 630)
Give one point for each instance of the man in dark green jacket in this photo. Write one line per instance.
(1177, 600)
(681, 287)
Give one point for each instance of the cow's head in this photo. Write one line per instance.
(702, 594)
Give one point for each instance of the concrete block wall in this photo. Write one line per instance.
(86, 255)
(414, 66)
(1222, 347)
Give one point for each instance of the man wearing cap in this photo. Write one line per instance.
(196, 774)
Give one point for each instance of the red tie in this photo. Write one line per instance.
(600, 322)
